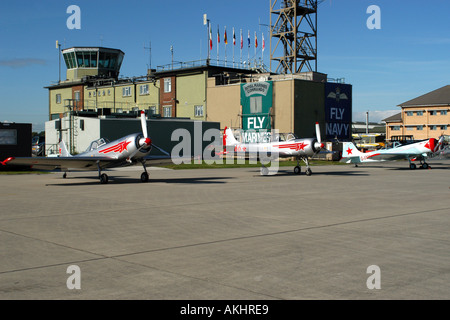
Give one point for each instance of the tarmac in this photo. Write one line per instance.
(378, 231)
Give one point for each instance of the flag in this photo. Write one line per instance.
(263, 43)
(210, 38)
(225, 40)
(218, 34)
(256, 41)
(242, 40)
(249, 38)
(234, 38)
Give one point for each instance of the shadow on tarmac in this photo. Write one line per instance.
(120, 181)
(314, 173)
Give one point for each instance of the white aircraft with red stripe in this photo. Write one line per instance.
(411, 152)
(100, 155)
(301, 149)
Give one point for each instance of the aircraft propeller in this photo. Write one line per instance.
(146, 141)
(318, 145)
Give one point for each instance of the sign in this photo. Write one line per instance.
(338, 110)
(256, 101)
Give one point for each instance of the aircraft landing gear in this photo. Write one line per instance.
(297, 169)
(103, 178)
(412, 166)
(65, 175)
(425, 166)
(144, 175)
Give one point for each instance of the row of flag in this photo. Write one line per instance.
(225, 39)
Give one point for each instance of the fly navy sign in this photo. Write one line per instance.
(338, 110)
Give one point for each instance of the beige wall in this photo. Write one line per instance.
(58, 108)
(191, 91)
(410, 122)
(224, 104)
(283, 105)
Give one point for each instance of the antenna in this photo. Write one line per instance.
(150, 55)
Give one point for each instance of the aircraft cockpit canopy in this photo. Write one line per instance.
(97, 144)
(285, 137)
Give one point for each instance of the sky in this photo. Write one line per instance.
(409, 55)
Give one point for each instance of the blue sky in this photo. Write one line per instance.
(407, 57)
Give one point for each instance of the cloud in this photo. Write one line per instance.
(374, 115)
(21, 63)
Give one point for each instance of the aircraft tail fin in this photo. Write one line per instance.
(350, 152)
(63, 152)
(228, 138)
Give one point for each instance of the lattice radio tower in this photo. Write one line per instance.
(293, 26)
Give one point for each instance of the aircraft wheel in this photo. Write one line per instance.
(308, 172)
(297, 170)
(104, 178)
(425, 165)
(264, 171)
(144, 177)
(412, 166)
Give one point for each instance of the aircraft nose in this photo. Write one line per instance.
(145, 142)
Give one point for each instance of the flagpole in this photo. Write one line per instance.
(234, 44)
(218, 40)
(248, 50)
(241, 45)
(226, 42)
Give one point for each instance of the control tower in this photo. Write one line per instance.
(92, 61)
(293, 35)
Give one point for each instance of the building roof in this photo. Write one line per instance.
(439, 96)
(395, 118)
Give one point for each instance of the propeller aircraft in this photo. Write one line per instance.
(414, 151)
(301, 149)
(100, 155)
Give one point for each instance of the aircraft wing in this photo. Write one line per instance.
(51, 163)
(387, 156)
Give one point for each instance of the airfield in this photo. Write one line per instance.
(228, 234)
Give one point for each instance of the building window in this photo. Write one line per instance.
(167, 112)
(168, 85)
(143, 89)
(126, 92)
(443, 112)
(8, 137)
(419, 113)
(395, 128)
(444, 127)
(152, 110)
(77, 96)
(58, 98)
(419, 128)
(109, 92)
(433, 112)
(198, 110)
(409, 113)
(433, 128)
(409, 128)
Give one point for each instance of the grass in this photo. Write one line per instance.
(24, 172)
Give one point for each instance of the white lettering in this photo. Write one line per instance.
(374, 21)
(374, 281)
(74, 21)
(74, 281)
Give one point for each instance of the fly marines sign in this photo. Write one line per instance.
(338, 110)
